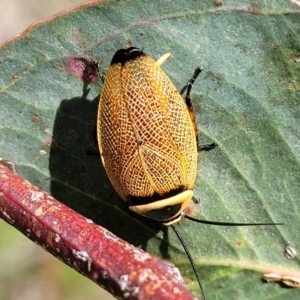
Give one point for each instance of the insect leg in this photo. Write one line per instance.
(207, 147)
(188, 102)
(189, 85)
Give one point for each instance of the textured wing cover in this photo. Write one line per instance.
(146, 138)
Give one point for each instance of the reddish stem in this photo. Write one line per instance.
(125, 271)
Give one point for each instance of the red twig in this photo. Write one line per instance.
(124, 270)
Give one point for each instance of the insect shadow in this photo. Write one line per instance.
(78, 178)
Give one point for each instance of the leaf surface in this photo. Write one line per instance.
(247, 100)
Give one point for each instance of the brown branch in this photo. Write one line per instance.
(125, 271)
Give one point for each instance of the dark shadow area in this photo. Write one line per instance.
(78, 178)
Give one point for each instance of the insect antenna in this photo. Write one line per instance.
(190, 258)
(228, 223)
(210, 223)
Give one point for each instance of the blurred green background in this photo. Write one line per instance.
(26, 270)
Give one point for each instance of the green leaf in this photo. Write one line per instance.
(247, 100)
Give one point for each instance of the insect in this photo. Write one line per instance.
(148, 139)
